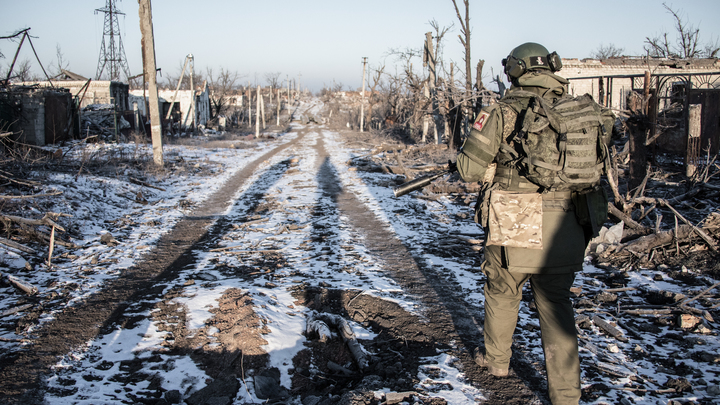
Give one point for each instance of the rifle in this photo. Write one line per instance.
(423, 181)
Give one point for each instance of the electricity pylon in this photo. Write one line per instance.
(112, 57)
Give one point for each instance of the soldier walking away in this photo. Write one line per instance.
(541, 209)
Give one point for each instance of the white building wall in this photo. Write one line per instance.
(583, 75)
(97, 92)
(184, 98)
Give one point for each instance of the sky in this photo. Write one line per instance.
(322, 43)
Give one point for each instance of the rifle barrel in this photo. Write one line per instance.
(418, 183)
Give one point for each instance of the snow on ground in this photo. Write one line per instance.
(107, 205)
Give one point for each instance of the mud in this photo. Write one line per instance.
(446, 324)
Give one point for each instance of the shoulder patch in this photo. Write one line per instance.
(481, 120)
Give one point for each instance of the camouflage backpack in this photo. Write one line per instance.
(560, 145)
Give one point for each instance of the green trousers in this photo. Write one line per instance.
(503, 292)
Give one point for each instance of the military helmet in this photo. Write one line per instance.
(529, 56)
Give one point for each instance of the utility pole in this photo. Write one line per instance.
(177, 89)
(150, 75)
(112, 57)
(362, 95)
(257, 113)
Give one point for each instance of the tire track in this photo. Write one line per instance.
(449, 321)
(22, 372)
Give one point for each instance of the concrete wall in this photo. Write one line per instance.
(98, 92)
(45, 116)
(32, 123)
(584, 76)
(184, 98)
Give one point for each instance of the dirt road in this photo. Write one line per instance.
(286, 222)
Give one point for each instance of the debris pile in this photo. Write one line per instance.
(102, 119)
(669, 220)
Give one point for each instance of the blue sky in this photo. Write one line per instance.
(322, 42)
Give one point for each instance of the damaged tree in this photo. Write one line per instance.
(465, 41)
(429, 60)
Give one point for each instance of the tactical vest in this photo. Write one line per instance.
(557, 146)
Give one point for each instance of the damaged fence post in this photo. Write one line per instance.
(257, 113)
(694, 129)
(21, 285)
(609, 329)
(52, 246)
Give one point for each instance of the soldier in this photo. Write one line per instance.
(548, 250)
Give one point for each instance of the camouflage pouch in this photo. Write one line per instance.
(515, 219)
(482, 205)
(591, 208)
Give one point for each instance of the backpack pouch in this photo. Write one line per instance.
(515, 219)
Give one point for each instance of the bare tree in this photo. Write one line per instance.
(465, 41)
(466, 104)
(221, 88)
(711, 49)
(375, 78)
(607, 52)
(439, 35)
(686, 44)
(61, 63)
(273, 80)
(22, 71)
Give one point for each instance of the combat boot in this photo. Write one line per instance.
(482, 362)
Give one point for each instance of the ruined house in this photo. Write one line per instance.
(38, 115)
(186, 112)
(673, 85)
(90, 105)
(610, 81)
(89, 92)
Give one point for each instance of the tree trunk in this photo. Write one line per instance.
(432, 81)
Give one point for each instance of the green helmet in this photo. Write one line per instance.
(529, 56)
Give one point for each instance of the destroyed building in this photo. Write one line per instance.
(88, 91)
(94, 107)
(672, 85)
(186, 112)
(38, 115)
(611, 80)
(90, 105)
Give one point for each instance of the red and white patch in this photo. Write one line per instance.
(480, 121)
